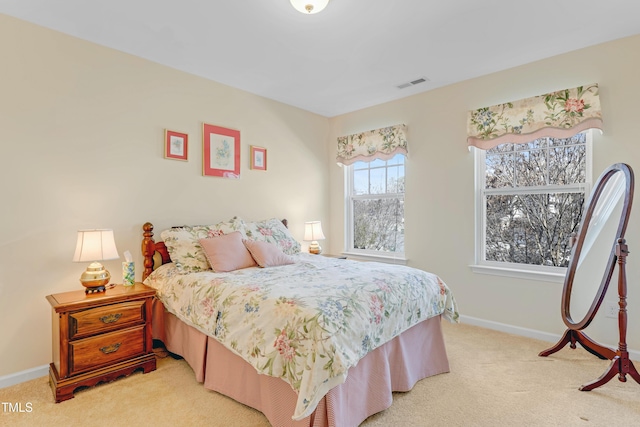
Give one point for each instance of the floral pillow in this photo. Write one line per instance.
(185, 249)
(272, 231)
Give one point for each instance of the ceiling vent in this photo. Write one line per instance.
(413, 83)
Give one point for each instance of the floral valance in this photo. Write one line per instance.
(375, 144)
(559, 114)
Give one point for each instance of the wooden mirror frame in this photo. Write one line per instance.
(577, 248)
(620, 363)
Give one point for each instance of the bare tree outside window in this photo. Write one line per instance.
(378, 224)
(533, 195)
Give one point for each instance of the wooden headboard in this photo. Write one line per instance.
(150, 248)
(156, 253)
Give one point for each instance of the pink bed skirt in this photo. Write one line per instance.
(397, 365)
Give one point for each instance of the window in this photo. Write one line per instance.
(529, 202)
(375, 207)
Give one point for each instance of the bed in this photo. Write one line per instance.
(305, 339)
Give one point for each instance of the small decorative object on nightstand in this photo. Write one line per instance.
(99, 337)
(94, 246)
(313, 233)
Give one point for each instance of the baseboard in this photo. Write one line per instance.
(20, 377)
(530, 333)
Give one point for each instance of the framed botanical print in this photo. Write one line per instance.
(221, 151)
(176, 145)
(258, 158)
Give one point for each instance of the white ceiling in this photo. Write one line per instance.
(352, 55)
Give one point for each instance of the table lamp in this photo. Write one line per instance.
(94, 246)
(313, 233)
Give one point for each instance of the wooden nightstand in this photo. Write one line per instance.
(99, 337)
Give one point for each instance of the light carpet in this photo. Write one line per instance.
(496, 379)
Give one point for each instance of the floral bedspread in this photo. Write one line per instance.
(307, 322)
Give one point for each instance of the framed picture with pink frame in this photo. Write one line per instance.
(220, 151)
(258, 158)
(176, 145)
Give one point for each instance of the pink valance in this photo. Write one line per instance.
(559, 114)
(381, 144)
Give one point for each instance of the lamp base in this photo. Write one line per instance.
(94, 278)
(314, 248)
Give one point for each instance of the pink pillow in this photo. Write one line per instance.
(267, 254)
(226, 252)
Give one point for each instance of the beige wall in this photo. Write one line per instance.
(81, 130)
(440, 181)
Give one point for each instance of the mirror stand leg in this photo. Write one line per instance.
(568, 337)
(614, 367)
(621, 366)
(633, 372)
(572, 337)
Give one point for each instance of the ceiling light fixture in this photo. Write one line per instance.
(309, 6)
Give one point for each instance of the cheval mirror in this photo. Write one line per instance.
(599, 245)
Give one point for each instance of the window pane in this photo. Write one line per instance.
(392, 179)
(398, 159)
(361, 182)
(360, 165)
(538, 143)
(502, 148)
(377, 163)
(499, 170)
(532, 228)
(580, 138)
(378, 183)
(567, 165)
(378, 224)
(531, 168)
(395, 179)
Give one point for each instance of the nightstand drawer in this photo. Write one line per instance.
(102, 319)
(105, 349)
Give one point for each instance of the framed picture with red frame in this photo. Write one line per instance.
(176, 145)
(258, 158)
(220, 151)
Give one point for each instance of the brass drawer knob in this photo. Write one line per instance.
(111, 318)
(110, 348)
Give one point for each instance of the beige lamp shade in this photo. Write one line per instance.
(313, 233)
(309, 7)
(94, 246)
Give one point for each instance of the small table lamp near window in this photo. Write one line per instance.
(313, 233)
(94, 246)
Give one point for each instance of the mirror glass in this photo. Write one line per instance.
(598, 244)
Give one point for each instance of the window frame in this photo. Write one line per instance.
(519, 270)
(349, 197)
